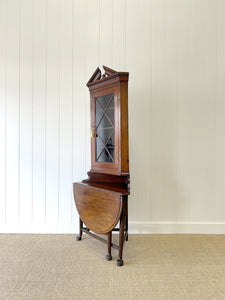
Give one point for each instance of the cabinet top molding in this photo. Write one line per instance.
(98, 77)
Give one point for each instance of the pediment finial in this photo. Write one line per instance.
(97, 75)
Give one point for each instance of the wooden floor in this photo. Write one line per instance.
(155, 267)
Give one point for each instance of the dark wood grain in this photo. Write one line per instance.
(99, 209)
(107, 178)
(117, 84)
(102, 198)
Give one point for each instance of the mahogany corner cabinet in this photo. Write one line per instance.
(102, 199)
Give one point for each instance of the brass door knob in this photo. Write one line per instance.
(93, 132)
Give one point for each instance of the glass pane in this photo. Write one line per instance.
(104, 118)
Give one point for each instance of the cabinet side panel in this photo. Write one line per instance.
(124, 142)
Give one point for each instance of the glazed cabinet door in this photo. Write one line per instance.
(105, 130)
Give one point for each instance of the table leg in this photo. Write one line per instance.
(79, 237)
(119, 261)
(108, 255)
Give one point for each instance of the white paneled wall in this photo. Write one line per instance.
(175, 53)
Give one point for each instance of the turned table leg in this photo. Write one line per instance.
(108, 255)
(119, 261)
(126, 224)
(79, 237)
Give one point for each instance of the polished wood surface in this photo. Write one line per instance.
(99, 208)
(108, 178)
(102, 198)
(116, 83)
(105, 167)
(114, 188)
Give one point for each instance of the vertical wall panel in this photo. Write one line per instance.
(183, 109)
(65, 108)
(26, 110)
(159, 114)
(12, 112)
(209, 108)
(80, 96)
(119, 35)
(196, 138)
(52, 113)
(39, 109)
(79, 89)
(92, 62)
(220, 115)
(164, 111)
(3, 106)
(132, 65)
(170, 108)
(174, 52)
(141, 129)
(106, 32)
(93, 36)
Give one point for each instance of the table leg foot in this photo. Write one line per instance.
(108, 257)
(119, 262)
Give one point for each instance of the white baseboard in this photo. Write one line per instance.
(36, 228)
(176, 228)
(134, 228)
